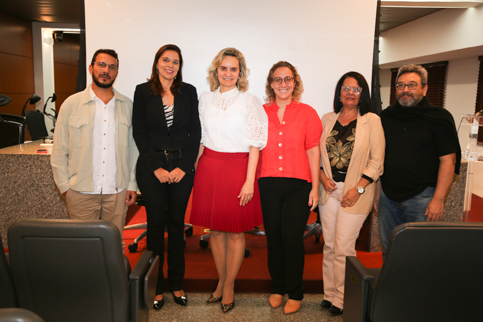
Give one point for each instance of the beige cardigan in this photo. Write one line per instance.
(367, 158)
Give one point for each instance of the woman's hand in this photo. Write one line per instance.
(313, 198)
(246, 193)
(177, 175)
(350, 198)
(329, 184)
(163, 175)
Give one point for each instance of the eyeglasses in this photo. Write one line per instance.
(102, 64)
(355, 90)
(411, 86)
(287, 79)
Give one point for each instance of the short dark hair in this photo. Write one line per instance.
(155, 84)
(365, 103)
(110, 52)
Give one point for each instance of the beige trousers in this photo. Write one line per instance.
(110, 207)
(340, 231)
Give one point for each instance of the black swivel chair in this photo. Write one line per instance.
(18, 315)
(432, 272)
(69, 270)
(8, 297)
(36, 125)
(12, 129)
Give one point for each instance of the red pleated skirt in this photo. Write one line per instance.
(217, 184)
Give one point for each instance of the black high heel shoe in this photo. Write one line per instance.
(214, 299)
(158, 304)
(181, 300)
(227, 307)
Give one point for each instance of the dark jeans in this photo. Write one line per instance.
(165, 207)
(285, 214)
(393, 213)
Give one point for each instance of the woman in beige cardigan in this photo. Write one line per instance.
(352, 155)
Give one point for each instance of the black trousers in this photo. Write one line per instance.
(285, 214)
(165, 207)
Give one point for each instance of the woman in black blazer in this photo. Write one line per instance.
(166, 128)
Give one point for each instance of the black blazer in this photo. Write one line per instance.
(151, 132)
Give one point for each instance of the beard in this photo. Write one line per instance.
(103, 85)
(408, 103)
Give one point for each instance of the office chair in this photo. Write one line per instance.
(18, 315)
(71, 270)
(134, 246)
(8, 297)
(432, 272)
(12, 129)
(36, 125)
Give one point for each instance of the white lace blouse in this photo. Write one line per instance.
(232, 121)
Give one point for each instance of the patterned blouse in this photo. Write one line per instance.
(340, 144)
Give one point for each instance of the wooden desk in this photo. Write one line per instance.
(27, 187)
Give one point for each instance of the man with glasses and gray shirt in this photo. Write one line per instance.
(94, 154)
(422, 153)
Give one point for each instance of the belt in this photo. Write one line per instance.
(168, 152)
(338, 176)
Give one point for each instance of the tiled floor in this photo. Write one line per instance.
(249, 307)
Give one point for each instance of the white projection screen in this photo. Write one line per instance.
(323, 39)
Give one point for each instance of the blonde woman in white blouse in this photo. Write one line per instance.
(225, 193)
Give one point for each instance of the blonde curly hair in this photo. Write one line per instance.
(298, 85)
(242, 82)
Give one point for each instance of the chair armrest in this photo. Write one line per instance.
(18, 315)
(142, 282)
(357, 283)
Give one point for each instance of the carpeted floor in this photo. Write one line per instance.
(253, 276)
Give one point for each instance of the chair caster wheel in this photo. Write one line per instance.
(247, 253)
(133, 247)
(189, 232)
(203, 244)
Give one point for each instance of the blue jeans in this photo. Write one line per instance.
(393, 214)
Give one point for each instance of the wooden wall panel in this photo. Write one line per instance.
(65, 80)
(16, 35)
(66, 56)
(16, 62)
(17, 74)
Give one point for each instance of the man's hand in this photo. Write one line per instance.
(131, 197)
(434, 211)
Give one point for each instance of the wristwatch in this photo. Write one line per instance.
(360, 190)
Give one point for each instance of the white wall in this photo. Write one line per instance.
(314, 36)
(435, 36)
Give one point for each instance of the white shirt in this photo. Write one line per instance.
(232, 121)
(104, 147)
